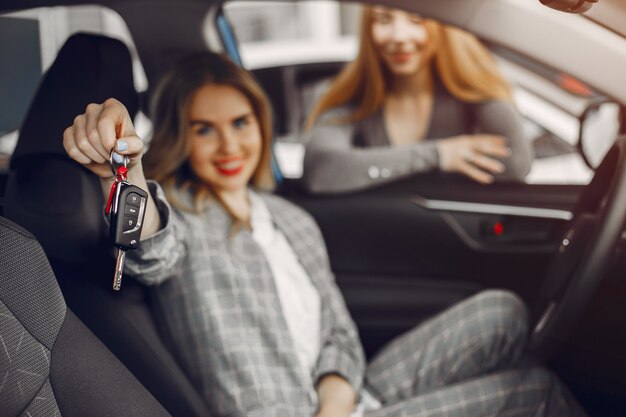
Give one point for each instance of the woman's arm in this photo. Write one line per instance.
(333, 164)
(161, 256)
(502, 118)
(341, 353)
(89, 141)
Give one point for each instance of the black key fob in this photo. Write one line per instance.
(126, 217)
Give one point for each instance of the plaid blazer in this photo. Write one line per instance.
(218, 303)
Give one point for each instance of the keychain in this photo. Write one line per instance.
(125, 207)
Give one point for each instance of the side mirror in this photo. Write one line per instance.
(570, 6)
(599, 127)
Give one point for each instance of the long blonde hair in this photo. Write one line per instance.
(167, 158)
(466, 68)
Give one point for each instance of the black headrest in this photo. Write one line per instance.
(55, 198)
(88, 68)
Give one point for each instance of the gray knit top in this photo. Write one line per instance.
(347, 157)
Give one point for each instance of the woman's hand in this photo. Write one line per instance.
(91, 138)
(473, 155)
(336, 397)
(102, 128)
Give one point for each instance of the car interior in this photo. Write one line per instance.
(390, 247)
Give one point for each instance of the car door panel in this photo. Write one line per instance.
(399, 259)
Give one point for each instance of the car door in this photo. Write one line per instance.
(405, 251)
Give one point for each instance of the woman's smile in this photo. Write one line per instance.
(401, 57)
(230, 166)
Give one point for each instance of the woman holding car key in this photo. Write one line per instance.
(243, 285)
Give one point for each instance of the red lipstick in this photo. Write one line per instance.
(229, 166)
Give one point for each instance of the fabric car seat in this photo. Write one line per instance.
(61, 203)
(50, 363)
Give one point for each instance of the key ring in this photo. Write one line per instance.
(114, 166)
(120, 171)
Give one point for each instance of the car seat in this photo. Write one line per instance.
(50, 363)
(61, 203)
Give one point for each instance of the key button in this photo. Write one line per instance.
(132, 210)
(129, 222)
(133, 199)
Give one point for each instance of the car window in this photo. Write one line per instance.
(275, 33)
(38, 35)
(292, 38)
(307, 43)
(551, 103)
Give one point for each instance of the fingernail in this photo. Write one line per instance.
(122, 145)
(118, 158)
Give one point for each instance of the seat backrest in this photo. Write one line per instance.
(61, 203)
(43, 183)
(50, 363)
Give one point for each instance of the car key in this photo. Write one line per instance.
(126, 209)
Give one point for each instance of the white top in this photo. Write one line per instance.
(299, 299)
